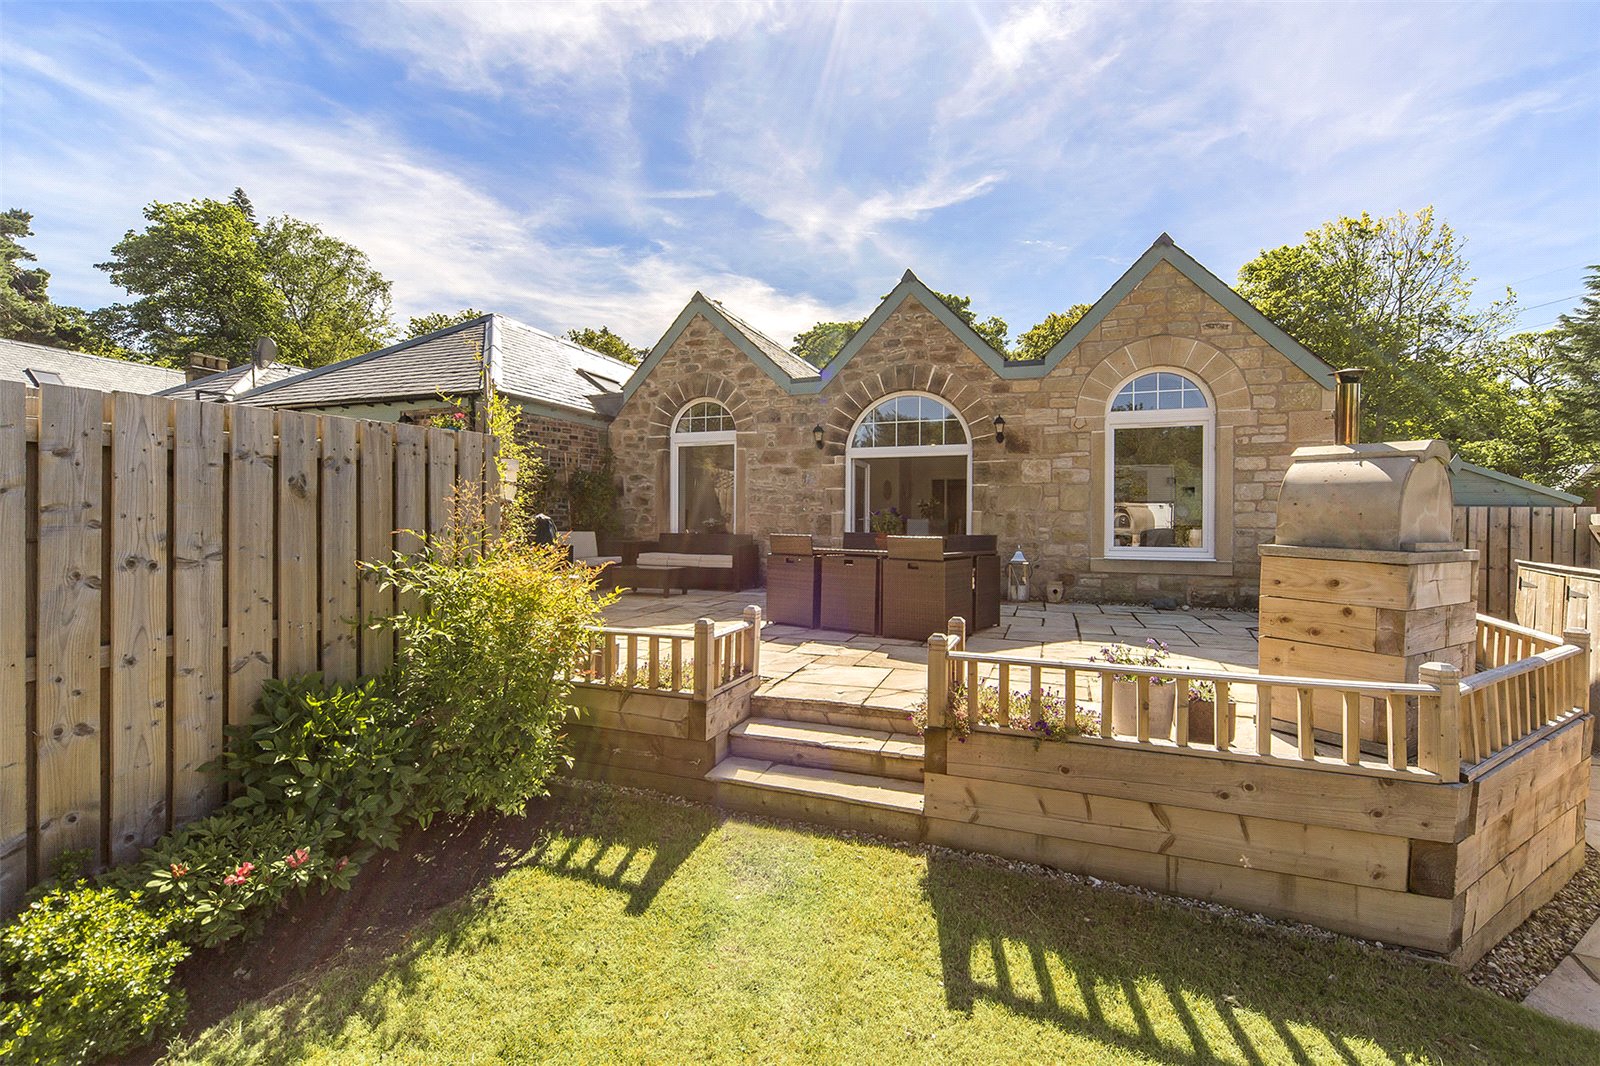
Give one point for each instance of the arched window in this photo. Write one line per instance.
(909, 468)
(1160, 469)
(703, 471)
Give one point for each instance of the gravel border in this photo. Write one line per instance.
(1530, 951)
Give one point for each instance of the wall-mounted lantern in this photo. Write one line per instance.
(817, 436)
(999, 429)
(1017, 571)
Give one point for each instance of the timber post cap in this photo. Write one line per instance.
(1393, 496)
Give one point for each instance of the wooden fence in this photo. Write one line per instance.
(159, 560)
(1538, 534)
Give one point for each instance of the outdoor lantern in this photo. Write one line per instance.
(816, 436)
(508, 479)
(1017, 577)
(1000, 436)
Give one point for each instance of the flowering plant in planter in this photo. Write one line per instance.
(1154, 653)
(888, 520)
(1056, 719)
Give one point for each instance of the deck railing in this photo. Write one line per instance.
(699, 663)
(1456, 718)
(1528, 682)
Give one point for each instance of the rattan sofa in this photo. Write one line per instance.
(710, 560)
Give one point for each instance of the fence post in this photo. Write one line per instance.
(704, 658)
(1439, 720)
(752, 636)
(1582, 668)
(957, 628)
(935, 736)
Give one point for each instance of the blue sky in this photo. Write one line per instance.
(579, 165)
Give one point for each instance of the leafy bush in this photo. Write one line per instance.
(483, 665)
(87, 973)
(592, 500)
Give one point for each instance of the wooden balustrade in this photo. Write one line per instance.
(1501, 643)
(700, 663)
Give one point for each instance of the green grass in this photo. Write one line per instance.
(645, 931)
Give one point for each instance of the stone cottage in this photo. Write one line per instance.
(1139, 459)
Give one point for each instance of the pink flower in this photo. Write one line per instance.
(239, 876)
(461, 416)
(300, 857)
(178, 869)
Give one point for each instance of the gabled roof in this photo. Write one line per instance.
(524, 363)
(1165, 251)
(227, 384)
(798, 377)
(82, 370)
(783, 366)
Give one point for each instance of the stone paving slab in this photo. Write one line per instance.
(857, 668)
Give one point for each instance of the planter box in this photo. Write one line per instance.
(1203, 721)
(1125, 709)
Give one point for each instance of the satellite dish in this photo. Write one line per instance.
(266, 351)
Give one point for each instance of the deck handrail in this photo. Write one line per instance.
(1507, 701)
(700, 662)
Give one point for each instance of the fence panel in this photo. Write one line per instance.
(1505, 535)
(159, 560)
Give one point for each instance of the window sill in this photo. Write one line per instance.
(1150, 565)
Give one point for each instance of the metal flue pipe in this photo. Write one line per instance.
(1347, 405)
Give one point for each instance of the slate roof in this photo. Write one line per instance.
(84, 371)
(530, 364)
(224, 384)
(790, 363)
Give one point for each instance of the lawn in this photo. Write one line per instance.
(630, 929)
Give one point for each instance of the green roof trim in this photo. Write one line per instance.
(1165, 251)
(912, 287)
(1558, 497)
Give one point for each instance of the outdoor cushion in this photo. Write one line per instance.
(668, 559)
(714, 562)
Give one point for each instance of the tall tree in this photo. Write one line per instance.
(241, 200)
(26, 311)
(1527, 433)
(432, 323)
(207, 279)
(1393, 295)
(1037, 342)
(1577, 350)
(605, 342)
(333, 303)
(200, 284)
(819, 344)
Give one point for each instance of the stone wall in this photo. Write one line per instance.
(1043, 488)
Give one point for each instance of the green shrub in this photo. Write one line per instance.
(85, 973)
(484, 663)
(325, 775)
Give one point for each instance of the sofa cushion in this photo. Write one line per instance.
(668, 559)
(714, 562)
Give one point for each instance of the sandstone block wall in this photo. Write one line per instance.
(1043, 489)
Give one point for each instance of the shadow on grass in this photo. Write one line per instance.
(431, 895)
(1185, 986)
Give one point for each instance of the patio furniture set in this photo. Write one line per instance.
(674, 562)
(901, 587)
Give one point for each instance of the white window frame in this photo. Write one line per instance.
(681, 441)
(1207, 420)
(852, 453)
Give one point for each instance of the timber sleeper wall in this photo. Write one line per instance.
(159, 560)
(1448, 868)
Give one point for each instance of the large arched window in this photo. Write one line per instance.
(703, 472)
(1160, 469)
(909, 468)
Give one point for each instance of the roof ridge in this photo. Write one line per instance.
(344, 364)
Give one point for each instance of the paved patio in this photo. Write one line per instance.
(821, 664)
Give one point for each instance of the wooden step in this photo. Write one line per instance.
(866, 802)
(874, 752)
(828, 712)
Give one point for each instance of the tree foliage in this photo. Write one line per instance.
(605, 342)
(993, 329)
(1577, 353)
(1529, 432)
(26, 311)
(1393, 295)
(1037, 342)
(421, 325)
(207, 279)
(331, 302)
(819, 344)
